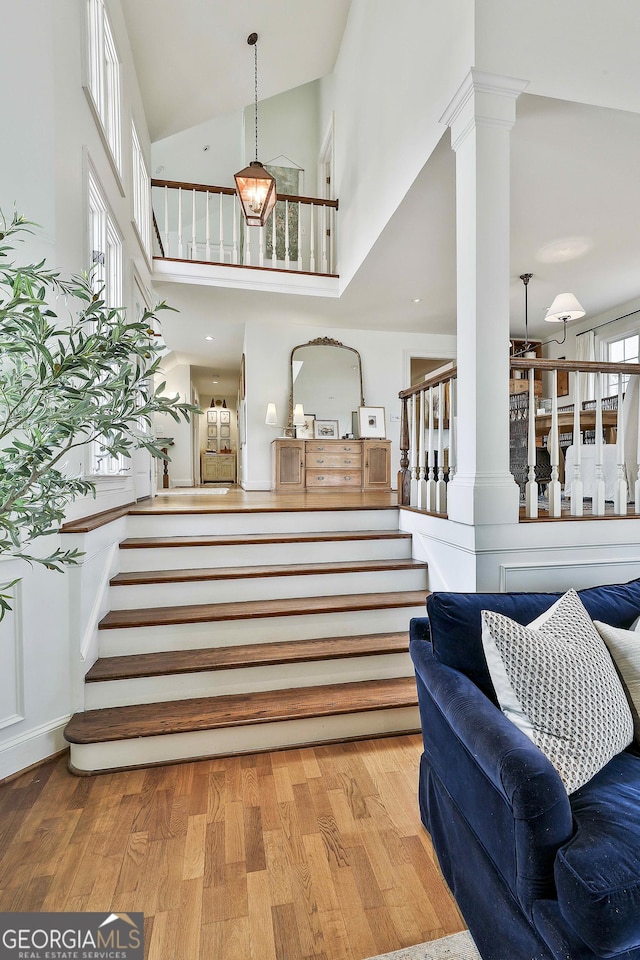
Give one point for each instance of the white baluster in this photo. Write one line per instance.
(299, 236)
(261, 247)
(620, 498)
(312, 239)
(287, 261)
(247, 246)
(441, 487)
(180, 247)
(236, 210)
(324, 240)
(577, 486)
(274, 258)
(194, 241)
(207, 229)
(555, 490)
(431, 479)
(422, 482)
(531, 488)
(413, 496)
(221, 227)
(597, 504)
(330, 239)
(637, 484)
(453, 428)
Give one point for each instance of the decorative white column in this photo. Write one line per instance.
(481, 116)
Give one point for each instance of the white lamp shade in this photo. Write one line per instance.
(564, 307)
(271, 418)
(298, 415)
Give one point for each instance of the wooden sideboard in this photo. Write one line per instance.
(216, 467)
(300, 465)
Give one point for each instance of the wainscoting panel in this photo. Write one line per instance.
(12, 674)
(560, 575)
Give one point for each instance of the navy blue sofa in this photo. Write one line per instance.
(537, 874)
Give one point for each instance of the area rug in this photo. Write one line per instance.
(193, 491)
(460, 946)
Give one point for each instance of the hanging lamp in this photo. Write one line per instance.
(255, 186)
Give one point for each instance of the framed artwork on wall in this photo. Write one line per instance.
(225, 431)
(212, 416)
(212, 431)
(326, 429)
(225, 416)
(371, 423)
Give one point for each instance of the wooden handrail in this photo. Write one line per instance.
(581, 366)
(158, 237)
(443, 377)
(230, 191)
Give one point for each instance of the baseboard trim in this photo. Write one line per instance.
(33, 766)
(33, 747)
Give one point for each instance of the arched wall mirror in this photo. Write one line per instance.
(326, 378)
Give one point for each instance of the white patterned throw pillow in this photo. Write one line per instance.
(624, 647)
(567, 687)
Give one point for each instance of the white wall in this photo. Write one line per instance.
(385, 368)
(48, 131)
(184, 158)
(177, 377)
(581, 50)
(398, 67)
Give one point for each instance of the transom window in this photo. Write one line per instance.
(105, 261)
(104, 77)
(141, 193)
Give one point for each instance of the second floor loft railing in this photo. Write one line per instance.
(204, 224)
(574, 437)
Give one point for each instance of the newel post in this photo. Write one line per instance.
(404, 477)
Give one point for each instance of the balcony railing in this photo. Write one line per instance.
(428, 443)
(573, 455)
(204, 224)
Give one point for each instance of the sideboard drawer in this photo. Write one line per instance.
(334, 478)
(333, 446)
(334, 461)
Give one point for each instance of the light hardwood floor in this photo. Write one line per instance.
(312, 853)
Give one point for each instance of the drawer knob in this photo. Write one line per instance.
(320, 460)
(348, 478)
(320, 448)
(347, 461)
(320, 478)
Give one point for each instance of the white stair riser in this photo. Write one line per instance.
(224, 633)
(212, 524)
(145, 751)
(254, 554)
(147, 595)
(219, 683)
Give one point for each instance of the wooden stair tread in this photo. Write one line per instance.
(209, 713)
(257, 654)
(322, 505)
(265, 570)
(242, 539)
(243, 610)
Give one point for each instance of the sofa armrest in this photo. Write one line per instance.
(502, 784)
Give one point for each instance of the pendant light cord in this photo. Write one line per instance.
(255, 63)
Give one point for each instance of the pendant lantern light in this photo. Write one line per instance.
(255, 186)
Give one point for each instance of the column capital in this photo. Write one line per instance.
(482, 98)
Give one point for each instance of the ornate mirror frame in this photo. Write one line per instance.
(319, 342)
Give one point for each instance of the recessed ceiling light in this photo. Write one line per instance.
(209, 338)
(417, 300)
(215, 381)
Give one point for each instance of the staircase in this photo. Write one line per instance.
(238, 632)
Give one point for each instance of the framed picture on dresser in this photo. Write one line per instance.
(326, 429)
(371, 423)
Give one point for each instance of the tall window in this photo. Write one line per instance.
(104, 77)
(624, 350)
(141, 193)
(105, 257)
